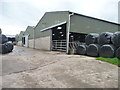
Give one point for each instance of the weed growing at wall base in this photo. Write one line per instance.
(114, 61)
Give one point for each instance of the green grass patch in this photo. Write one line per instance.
(114, 61)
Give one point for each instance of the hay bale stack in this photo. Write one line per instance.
(107, 51)
(116, 39)
(93, 50)
(91, 38)
(105, 38)
(81, 49)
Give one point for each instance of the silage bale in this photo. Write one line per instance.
(116, 39)
(93, 50)
(105, 38)
(3, 39)
(3, 49)
(118, 53)
(81, 49)
(107, 51)
(9, 46)
(91, 38)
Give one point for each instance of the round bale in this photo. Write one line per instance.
(3, 39)
(118, 53)
(81, 49)
(91, 38)
(105, 38)
(93, 50)
(107, 51)
(116, 39)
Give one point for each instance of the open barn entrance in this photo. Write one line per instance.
(59, 38)
(75, 39)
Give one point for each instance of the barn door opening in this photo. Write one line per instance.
(25, 41)
(59, 38)
(76, 39)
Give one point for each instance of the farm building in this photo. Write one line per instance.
(56, 30)
(25, 38)
(19, 38)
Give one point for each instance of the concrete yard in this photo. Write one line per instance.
(31, 68)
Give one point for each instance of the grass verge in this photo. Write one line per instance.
(114, 61)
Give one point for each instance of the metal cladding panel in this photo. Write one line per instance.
(50, 19)
(16, 37)
(83, 24)
(20, 36)
(29, 31)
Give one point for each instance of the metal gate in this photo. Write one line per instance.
(59, 45)
(73, 46)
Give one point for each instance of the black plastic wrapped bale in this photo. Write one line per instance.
(105, 38)
(3, 39)
(91, 38)
(3, 49)
(93, 50)
(116, 39)
(118, 53)
(9, 46)
(107, 51)
(81, 49)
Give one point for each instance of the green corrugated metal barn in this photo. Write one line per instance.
(56, 30)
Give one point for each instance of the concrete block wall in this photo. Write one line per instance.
(43, 43)
(31, 43)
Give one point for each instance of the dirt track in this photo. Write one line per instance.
(30, 68)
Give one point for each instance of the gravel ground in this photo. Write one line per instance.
(31, 68)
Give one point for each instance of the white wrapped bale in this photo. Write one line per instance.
(93, 50)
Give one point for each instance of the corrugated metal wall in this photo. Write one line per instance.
(83, 24)
(29, 31)
(50, 19)
(21, 35)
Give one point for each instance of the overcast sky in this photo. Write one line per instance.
(16, 15)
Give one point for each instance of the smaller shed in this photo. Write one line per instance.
(20, 38)
(28, 37)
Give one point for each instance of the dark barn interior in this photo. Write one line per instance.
(77, 37)
(59, 33)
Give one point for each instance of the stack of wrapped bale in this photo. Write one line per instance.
(107, 49)
(116, 43)
(93, 47)
(5, 47)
